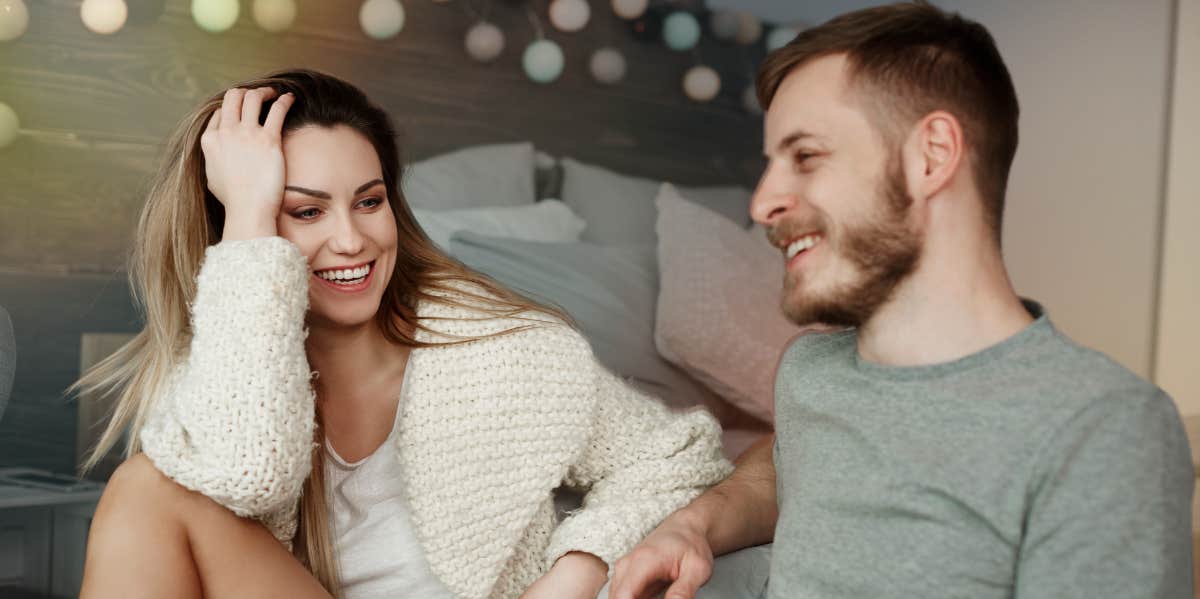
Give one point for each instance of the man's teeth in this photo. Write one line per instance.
(345, 275)
(801, 244)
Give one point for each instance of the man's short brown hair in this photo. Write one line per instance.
(909, 59)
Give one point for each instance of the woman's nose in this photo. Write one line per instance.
(346, 239)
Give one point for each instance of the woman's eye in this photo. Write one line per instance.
(307, 213)
(370, 202)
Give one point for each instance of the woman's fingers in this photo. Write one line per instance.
(231, 107)
(278, 111)
(252, 103)
(214, 121)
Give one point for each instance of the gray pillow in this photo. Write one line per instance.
(619, 209)
(473, 177)
(609, 291)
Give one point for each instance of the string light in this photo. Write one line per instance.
(381, 19)
(104, 17)
(274, 16)
(9, 125)
(215, 16)
(701, 83)
(14, 19)
(569, 15)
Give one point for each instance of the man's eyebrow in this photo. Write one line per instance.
(325, 196)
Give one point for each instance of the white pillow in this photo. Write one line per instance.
(546, 221)
(490, 175)
(718, 314)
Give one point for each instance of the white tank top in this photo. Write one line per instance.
(378, 554)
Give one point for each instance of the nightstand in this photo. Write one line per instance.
(43, 531)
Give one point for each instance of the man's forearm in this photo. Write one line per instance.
(740, 511)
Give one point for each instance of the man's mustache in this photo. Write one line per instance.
(787, 231)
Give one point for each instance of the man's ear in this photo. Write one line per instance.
(933, 154)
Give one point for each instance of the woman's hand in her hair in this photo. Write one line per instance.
(243, 160)
(576, 575)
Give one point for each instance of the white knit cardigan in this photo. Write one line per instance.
(489, 429)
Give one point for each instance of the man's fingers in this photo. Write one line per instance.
(231, 107)
(275, 116)
(693, 573)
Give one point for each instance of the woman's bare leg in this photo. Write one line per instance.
(151, 537)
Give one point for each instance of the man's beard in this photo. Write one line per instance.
(881, 249)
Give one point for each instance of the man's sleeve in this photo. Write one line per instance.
(1110, 509)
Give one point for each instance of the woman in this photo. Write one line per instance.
(446, 408)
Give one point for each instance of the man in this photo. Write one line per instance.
(952, 442)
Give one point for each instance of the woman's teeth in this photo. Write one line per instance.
(802, 244)
(345, 276)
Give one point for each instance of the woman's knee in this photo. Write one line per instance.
(136, 541)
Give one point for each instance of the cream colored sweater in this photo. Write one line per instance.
(490, 429)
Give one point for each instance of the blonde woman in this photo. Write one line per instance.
(290, 297)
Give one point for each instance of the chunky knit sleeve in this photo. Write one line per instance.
(641, 463)
(236, 421)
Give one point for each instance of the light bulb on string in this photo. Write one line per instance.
(10, 125)
(749, 29)
(681, 31)
(484, 42)
(543, 59)
(274, 16)
(607, 66)
(215, 16)
(381, 19)
(14, 19)
(104, 17)
(701, 83)
(629, 9)
(569, 15)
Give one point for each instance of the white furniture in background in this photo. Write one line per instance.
(43, 536)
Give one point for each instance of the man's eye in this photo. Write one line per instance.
(802, 160)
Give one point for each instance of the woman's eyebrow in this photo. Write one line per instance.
(311, 192)
(368, 185)
(325, 195)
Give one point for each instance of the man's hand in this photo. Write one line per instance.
(737, 513)
(676, 553)
(576, 575)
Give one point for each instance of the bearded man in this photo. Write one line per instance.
(949, 441)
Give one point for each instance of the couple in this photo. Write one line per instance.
(950, 443)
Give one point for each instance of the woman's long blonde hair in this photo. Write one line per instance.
(181, 218)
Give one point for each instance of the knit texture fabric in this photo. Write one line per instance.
(489, 429)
